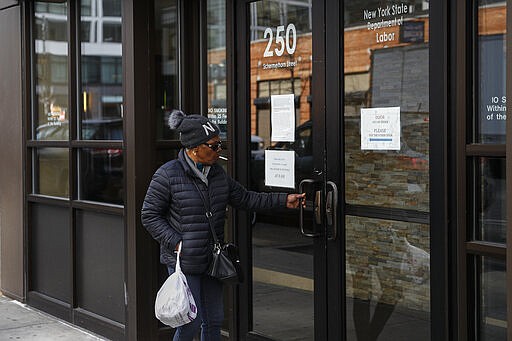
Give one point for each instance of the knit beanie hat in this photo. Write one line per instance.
(194, 129)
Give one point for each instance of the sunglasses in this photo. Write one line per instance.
(214, 146)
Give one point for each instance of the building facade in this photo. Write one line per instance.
(390, 115)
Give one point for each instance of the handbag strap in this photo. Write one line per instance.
(208, 215)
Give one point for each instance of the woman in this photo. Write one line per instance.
(173, 212)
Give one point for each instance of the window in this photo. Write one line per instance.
(265, 90)
(51, 65)
(111, 8)
(76, 196)
(280, 11)
(100, 108)
(111, 32)
(166, 65)
(486, 180)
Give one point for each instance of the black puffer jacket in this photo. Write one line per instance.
(173, 211)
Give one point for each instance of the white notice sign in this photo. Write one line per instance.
(380, 128)
(282, 112)
(280, 168)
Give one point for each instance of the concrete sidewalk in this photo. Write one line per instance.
(21, 322)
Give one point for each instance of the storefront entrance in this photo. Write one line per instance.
(390, 115)
(339, 109)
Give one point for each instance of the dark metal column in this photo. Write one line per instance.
(140, 258)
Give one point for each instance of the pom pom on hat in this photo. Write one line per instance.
(175, 119)
(194, 129)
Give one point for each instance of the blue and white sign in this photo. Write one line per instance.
(380, 128)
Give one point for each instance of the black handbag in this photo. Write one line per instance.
(225, 264)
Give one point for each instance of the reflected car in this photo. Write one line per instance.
(101, 169)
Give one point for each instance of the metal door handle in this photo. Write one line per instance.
(328, 208)
(317, 209)
(331, 207)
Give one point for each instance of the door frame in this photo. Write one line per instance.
(325, 314)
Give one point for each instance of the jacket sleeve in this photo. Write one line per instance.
(240, 197)
(155, 210)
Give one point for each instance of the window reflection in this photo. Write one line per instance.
(111, 8)
(280, 12)
(491, 55)
(166, 65)
(111, 33)
(492, 299)
(51, 68)
(53, 172)
(266, 88)
(101, 177)
(101, 91)
(388, 280)
(353, 9)
(216, 60)
(386, 65)
(491, 200)
(282, 260)
(86, 7)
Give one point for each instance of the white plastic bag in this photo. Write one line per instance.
(174, 304)
(415, 263)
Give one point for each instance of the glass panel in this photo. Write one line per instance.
(388, 280)
(282, 260)
(492, 305)
(491, 117)
(101, 91)
(111, 8)
(166, 65)
(53, 172)
(86, 8)
(101, 175)
(268, 13)
(51, 70)
(354, 10)
(276, 87)
(86, 32)
(217, 109)
(387, 157)
(490, 221)
(112, 32)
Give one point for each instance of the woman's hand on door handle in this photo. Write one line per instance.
(294, 200)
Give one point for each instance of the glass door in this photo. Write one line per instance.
(286, 291)
(386, 169)
(350, 127)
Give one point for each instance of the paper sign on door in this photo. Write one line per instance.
(282, 111)
(280, 168)
(380, 128)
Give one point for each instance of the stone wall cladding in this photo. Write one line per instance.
(380, 266)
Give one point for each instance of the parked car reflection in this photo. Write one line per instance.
(100, 169)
